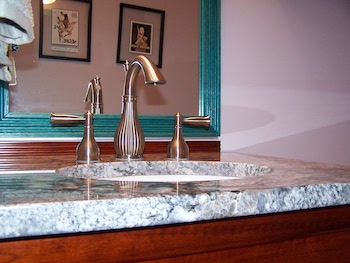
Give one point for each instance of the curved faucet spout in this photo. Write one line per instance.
(150, 71)
(129, 140)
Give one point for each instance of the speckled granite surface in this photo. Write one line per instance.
(54, 203)
(118, 169)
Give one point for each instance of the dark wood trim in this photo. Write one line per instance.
(317, 235)
(18, 148)
(54, 155)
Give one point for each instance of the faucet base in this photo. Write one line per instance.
(178, 159)
(87, 161)
(138, 157)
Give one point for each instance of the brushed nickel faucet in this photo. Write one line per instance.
(129, 141)
(94, 95)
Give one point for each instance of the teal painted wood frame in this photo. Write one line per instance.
(37, 125)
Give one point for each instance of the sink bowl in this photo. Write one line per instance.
(168, 178)
(164, 171)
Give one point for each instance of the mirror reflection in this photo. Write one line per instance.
(48, 85)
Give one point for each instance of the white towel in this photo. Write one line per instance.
(19, 12)
(16, 27)
(5, 62)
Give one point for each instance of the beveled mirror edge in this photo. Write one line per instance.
(37, 125)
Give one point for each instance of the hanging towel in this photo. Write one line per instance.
(5, 63)
(16, 21)
(16, 27)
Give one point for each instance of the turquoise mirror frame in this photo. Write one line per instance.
(37, 125)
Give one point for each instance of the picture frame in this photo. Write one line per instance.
(141, 32)
(65, 30)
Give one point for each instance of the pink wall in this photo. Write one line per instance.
(46, 85)
(285, 79)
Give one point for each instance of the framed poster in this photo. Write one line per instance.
(65, 30)
(141, 31)
(141, 38)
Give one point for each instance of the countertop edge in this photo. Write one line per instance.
(22, 220)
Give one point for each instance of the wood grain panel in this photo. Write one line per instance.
(330, 247)
(318, 235)
(18, 148)
(53, 155)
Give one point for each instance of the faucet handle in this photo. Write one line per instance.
(58, 118)
(197, 121)
(87, 150)
(178, 148)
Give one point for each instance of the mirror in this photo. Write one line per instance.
(37, 125)
(60, 81)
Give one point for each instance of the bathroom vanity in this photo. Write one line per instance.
(284, 211)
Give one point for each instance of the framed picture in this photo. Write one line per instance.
(141, 31)
(65, 30)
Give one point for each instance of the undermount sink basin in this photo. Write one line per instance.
(164, 171)
(168, 178)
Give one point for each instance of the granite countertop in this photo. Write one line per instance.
(46, 202)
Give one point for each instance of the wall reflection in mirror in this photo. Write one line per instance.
(51, 85)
